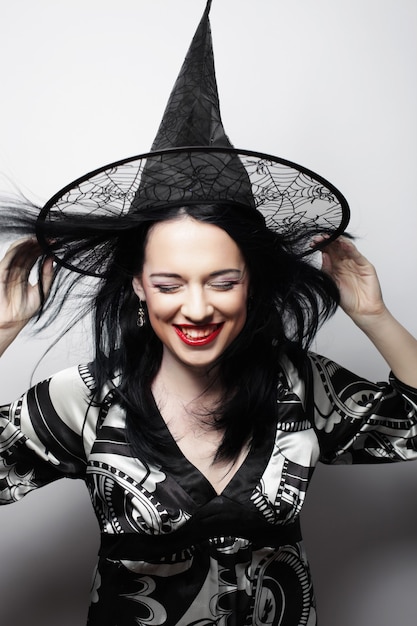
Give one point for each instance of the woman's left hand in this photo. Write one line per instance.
(356, 278)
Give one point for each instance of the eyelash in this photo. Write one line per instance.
(166, 288)
(225, 285)
(222, 286)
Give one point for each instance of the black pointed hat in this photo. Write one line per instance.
(191, 161)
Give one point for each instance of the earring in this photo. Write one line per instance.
(141, 318)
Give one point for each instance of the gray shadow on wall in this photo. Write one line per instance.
(48, 549)
(360, 529)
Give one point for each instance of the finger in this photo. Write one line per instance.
(339, 253)
(319, 239)
(326, 263)
(19, 260)
(23, 243)
(47, 275)
(343, 249)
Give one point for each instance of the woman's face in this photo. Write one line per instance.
(195, 285)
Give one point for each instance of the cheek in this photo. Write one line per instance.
(243, 309)
(160, 308)
(237, 308)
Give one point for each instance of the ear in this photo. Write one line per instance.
(138, 289)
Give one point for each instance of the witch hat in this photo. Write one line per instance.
(191, 161)
(192, 119)
(192, 114)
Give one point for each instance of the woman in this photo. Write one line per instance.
(198, 496)
(198, 425)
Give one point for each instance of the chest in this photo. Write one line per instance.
(131, 496)
(199, 449)
(197, 440)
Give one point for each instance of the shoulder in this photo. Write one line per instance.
(70, 402)
(303, 371)
(73, 395)
(79, 382)
(76, 382)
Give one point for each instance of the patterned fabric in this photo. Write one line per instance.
(173, 551)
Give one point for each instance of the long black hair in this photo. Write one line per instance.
(289, 299)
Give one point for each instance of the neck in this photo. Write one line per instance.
(187, 382)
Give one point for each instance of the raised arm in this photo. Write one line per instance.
(361, 299)
(19, 299)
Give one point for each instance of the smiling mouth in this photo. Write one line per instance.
(198, 335)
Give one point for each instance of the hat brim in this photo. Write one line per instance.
(291, 198)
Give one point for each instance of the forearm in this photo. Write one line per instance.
(396, 345)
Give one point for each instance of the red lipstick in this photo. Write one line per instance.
(198, 341)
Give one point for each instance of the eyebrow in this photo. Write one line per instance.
(212, 275)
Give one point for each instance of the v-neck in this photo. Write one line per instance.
(194, 482)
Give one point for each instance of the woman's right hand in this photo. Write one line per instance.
(19, 299)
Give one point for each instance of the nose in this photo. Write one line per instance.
(196, 306)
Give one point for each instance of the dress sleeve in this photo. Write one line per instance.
(358, 421)
(46, 434)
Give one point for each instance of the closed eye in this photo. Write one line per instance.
(224, 285)
(167, 288)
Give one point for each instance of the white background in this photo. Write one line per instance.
(328, 84)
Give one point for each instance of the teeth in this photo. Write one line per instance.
(197, 333)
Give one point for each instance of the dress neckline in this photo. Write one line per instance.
(192, 480)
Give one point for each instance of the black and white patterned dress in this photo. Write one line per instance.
(174, 552)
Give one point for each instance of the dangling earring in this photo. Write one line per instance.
(141, 318)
